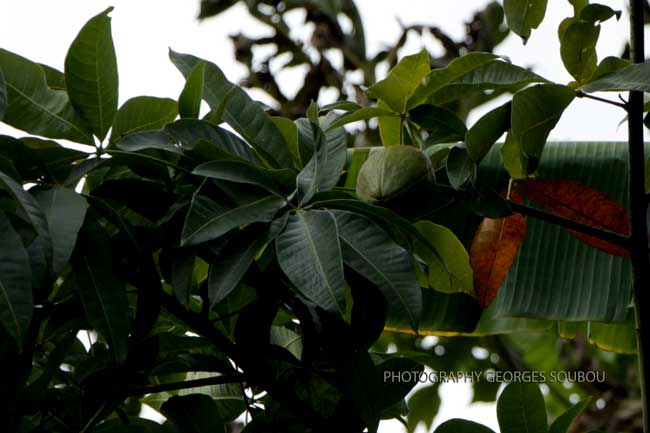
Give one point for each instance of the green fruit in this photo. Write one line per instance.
(389, 171)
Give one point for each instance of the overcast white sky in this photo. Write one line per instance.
(144, 29)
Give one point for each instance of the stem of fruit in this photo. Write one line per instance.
(639, 253)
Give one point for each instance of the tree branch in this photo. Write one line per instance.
(602, 234)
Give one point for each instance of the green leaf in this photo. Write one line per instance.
(633, 77)
(207, 220)
(33, 211)
(373, 254)
(449, 269)
(487, 130)
(287, 339)
(563, 423)
(511, 156)
(65, 211)
(323, 170)
(103, 295)
(598, 13)
(234, 259)
(194, 413)
(460, 167)
(91, 74)
(143, 113)
(390, 128)
(242, 113)
(241, 172)
(442, 125)
(524, 15)
(189, 102)
(535, 112)
(3, 95)
(364, 113)
(34, 107)
(289, 131)
(396, 89)
(464, 426)
(205, 141)
(15, 282)
(423, 406)
(578, 5)
(521, 409)
(309, 253)
(472, 72)
(608, 65)
(618, 337)
(578, 49)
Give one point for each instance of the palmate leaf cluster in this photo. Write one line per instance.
(253, 268)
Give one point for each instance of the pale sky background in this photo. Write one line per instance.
(144, 29)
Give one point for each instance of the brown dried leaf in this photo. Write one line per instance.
(585, 205)
(493, 251)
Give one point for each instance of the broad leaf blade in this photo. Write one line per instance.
(91, 74)
(633, 77)
(240, 172)
(372, 253)
(524, 15)
(487, 130)
(242, 113)
(521, 409)
(36, 108)
(103, 295)
(563, 423)
(469, 73)
(65, 212)
(233, 261)
(194, 413)
(309, 253)
(449, 269)
(463, 426)
(143, 113)
(396, 89)
(535, 112)
(207, 220)
(15, 282)
(189, 102)
(442, 125)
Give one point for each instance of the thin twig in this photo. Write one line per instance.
(581, 94)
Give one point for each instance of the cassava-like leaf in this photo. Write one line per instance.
(189, 102)
(535, 112)
(208, 220)
(102, 293)
(91, 74)
(65, 211)
(309, 253)
(36, 108)
(470, 73)
(15, 282)
(242, 113)
(373, 254)
(632, 77)
(143, 113)
(396, 89)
